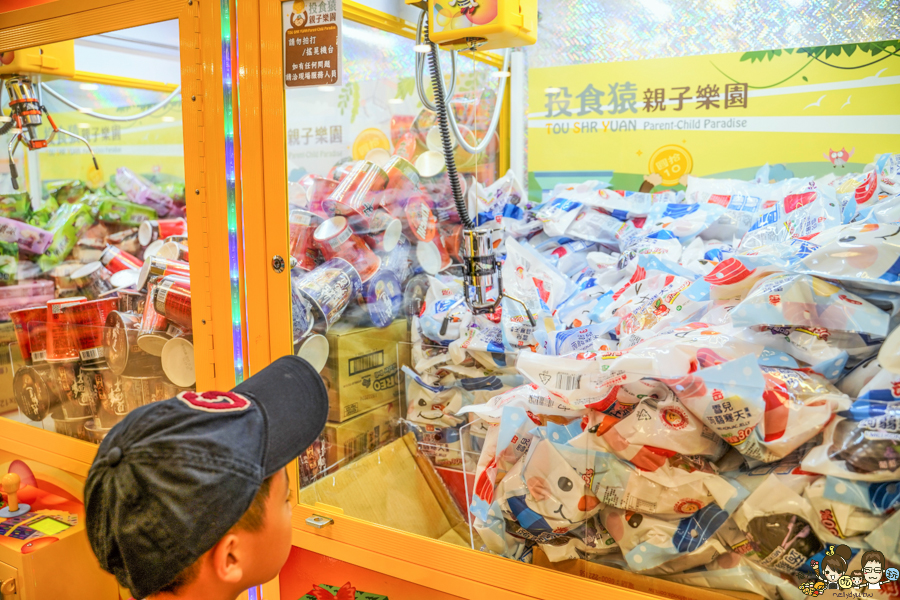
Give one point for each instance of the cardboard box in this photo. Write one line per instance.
(362, 372)
(364, 433)
(634, 581)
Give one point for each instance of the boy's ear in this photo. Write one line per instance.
(228, 560)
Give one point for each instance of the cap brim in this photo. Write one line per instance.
(294, 400)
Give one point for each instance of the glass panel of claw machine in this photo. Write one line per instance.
(95, 305)
(372, 222)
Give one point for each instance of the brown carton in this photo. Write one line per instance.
(364, 433)
(362, 372)
(640, 583)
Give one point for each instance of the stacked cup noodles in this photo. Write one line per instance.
(711, 393)
(101, 315)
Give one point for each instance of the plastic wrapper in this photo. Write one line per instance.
(141, 191)
(685, 221)
(9, 262)
(860, 443)
(66, 225)
(888, 169)
(862, 254)
(445, 314)
(741, 201)
(773, 528)
(807, 208)
(731, 571)
(838, 522)
(15, 206)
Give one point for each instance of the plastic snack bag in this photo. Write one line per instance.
(685, 221)
(545, 495)
(773, 528)
(593, 225)
(860, 188)
(663, 545)
(66, 225)
(740, 199)
(885, 210)
(653, 432)
(805, 301)
(589, 541)
(860, 443)
(533, 398)
(445, 314)
(876, 498)
(9, 262)
(675, 487)
(661, 244)
(840, 523)
(864, 254)
(888, 169)
(807, 208)
(141, 191)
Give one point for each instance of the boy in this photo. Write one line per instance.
(189, 497)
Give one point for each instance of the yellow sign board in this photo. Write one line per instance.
(646, 124)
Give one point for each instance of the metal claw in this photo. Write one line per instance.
(11, 148)
(78, 137)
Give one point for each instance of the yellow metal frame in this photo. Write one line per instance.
(204, 165)
(427, 562)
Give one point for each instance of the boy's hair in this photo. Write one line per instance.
(856, 573)
(253, 520)
(873, 556)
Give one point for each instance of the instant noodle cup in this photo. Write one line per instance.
(314, 350)
(407, 146)
(384, 231)
(72, 427)
(93, 280)
(420, 220)
(302, 226)
(60, 338)
(173, 301)
(177, 361)
(87, 320)
(336, 239)
(328, 289)
(116, 259)
(433, 256)
(321, 188)
(150, 231)
(174, 251)
(70, 386)
(157, 267)
(120, 346)
(377, 156)
(35, 392)
(31, 333)
(358, 194)
(381, 298)
(154, 328)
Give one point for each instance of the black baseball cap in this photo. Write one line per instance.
(174, 476)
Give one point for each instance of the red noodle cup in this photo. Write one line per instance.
(403, 182)
(88, 320)
(400, 127)
(420, 220)
(336, 240)
(60, 341)
(157, 267)
(464, 159)
(340, 171)
(430, 164)
(35, 392)
(303, 225)
(120, 345)
(407, 146)
(31, 318)
(153, 332)
(359, 193)
(116, 259)
(433, 256)
(178, 361)
(378, 156)
(92, 280)
(174, 251)
(321, 188)
(153, 249)
(150, 231)
(453, 240)
(129, 300)
(384, 231)
(173, 301)
(70, 386)
(424, 121)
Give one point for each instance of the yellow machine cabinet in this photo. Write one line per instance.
(84, 336)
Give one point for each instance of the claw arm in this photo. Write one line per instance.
(78, 137)
(11, 148)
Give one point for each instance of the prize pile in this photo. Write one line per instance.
(702, 397)
(97, 285)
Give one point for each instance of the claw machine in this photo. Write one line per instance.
(360, 213)
(116, 186)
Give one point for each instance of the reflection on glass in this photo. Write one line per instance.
(95, 305)
(371, 215)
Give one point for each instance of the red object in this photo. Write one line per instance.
(28, 320)
(728, 272)
(163, 228)
(719, 199)
(60, 341)
(87, 320)
(151, 320)
(359, 193)
(115, 259)
(335, 239)
(868, 188)
(421, 221)
(173, 301)
(406, 146)
(320, 189)
(795, 201)
(400, 126)
(303, 225)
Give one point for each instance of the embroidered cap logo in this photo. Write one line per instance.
(215, 401)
